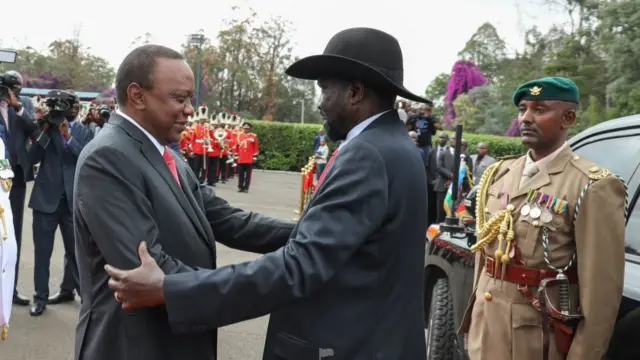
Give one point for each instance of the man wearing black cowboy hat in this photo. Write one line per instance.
(348, 284)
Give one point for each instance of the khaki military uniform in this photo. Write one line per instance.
(500, 320)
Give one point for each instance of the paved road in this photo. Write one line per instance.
(51, 336)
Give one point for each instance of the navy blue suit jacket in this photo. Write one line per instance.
(21, 128)
(57, 166)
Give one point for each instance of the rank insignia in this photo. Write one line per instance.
(597, 173)
(535, 91)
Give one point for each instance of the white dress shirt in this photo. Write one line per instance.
(360, 127)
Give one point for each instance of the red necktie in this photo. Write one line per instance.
(168, 158)
(325, 168)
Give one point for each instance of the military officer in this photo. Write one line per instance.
(545, 220)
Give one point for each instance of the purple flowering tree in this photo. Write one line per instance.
(43, 80)
(465, 75)
(514, 129)
(110, 92)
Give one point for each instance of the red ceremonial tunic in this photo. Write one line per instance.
(247, 147)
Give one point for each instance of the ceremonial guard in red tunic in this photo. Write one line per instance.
(214, 154)
(247, 147)
(200, 130)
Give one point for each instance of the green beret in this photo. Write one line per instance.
(548, 88)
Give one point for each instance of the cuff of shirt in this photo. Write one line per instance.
(20, 112)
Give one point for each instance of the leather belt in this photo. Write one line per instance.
(525, 276)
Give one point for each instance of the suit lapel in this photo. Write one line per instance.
(182, 174)
(154, 157)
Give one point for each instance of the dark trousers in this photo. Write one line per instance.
(223, 174)
(198, 167)
(244, 176)
(17, 197)
(190, 161)
(212, 169)
(432, 209)
(44, 230)
(440, 196)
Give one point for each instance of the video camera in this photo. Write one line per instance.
(59, 103)
(7, 80)
(105, 113)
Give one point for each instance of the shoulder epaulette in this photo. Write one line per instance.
(589, 168)
(509, 157)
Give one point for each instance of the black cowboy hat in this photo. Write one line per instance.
(365, 54)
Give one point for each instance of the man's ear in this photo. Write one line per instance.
(356, 92)
(135, 96)
(569, 118)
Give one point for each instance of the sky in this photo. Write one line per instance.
(430, 32)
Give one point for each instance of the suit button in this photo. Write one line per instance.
(488, 296)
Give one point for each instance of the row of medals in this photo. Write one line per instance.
(535, 212)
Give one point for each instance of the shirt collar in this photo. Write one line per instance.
(153, 139)
(545, 161)
(360, 127)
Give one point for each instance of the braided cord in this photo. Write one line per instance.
(545, 234)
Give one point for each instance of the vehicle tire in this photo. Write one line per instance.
(439, 333)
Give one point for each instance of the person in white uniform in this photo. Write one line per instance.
(8, 245)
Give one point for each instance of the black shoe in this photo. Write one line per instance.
(20, 300)
(240, 190)
(62, 297)
(245, 191)
(37, 309)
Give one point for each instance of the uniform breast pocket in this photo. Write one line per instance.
(527, 233)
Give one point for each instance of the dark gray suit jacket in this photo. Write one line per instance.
(124, 193)
(445, 169)
(349, 283)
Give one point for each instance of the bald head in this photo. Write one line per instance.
(482, 149)
(16, 88)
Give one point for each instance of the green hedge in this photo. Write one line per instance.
(287, 146)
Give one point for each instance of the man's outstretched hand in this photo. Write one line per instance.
(140, 287)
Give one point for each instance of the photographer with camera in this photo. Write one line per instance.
(16, 118)
(56, 149)
(99, 114)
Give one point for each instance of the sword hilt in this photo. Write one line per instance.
(563, 293)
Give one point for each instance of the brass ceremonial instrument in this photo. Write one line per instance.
(220, 134)
(203, 114)
(307, 186)
(5, 332)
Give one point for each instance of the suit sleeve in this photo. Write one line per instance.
(244, 230)
(599, 232)
(442, 169)
(81, 137)
(36, 149)
(117, 213)
(350, 206)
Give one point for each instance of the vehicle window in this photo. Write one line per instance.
(632, 233)
(615, 154)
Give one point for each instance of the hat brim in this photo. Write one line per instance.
(320, 66)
